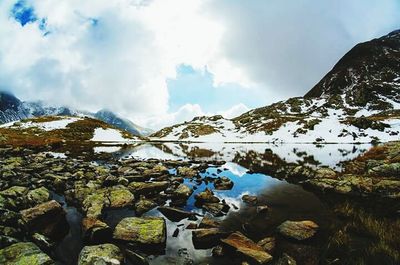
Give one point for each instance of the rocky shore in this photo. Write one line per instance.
(34, 219)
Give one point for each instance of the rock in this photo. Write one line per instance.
(14, 196)
(144, 205)
(268, 244)
(42, 241)
(207, 196)
(144, 188)
(174, 214)
(136, 258)
(223, 183)
(95, 230)
(187, 172)
(9, 217)
(6, 241)
(145, 231)
(299, 230)
(249, 199)
(114, 197)
(247, 248)
(386, 170)
(207, 222)
(24, 253)
(262, 209)
(216, 209)
(38, 196)
(191, 226)
(325, 173)
(107, 254)
(285, 260)
(176, 233)
(182, 192)
(206, 238)
(218, 251)
(47, 218)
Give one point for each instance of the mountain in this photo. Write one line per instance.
(121, 123)
(357, 101)
(12, 109)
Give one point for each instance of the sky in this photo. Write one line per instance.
(160, 62)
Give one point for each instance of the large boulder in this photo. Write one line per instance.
(247, 248)
(145, 231)
(24, 253)
(105, 254)
(47, 218)
(299, 230)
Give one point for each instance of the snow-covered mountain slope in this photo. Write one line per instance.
(41, 131)
(12, 109)
(357, 101)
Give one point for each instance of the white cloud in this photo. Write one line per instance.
(119, 54)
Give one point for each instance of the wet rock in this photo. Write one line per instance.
(249, 199)
(386, 170)
(206, 238)
(174, 214)
(95, 230)
(14, 197)
(262, 209)
(144, 188)
(285, 260)
(183, 192)
(208, 222)
(268, 244)
(6, 241)
(24, 253)
(145, 231)
(144, 205)
(47, 218)
(191, 226)
(136, 258)
(207, 196)
(299, 230)
(42, 241)
(223, 183)
(247, 248)
(107, 254)
(216, 209)
(38, 196)
(218, 251)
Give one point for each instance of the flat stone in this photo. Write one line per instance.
(107, 254)
(145, 188)
(207, 238)
(247, 248)
(143, 231)
(299, 230)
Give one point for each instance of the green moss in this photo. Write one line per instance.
(24, 253)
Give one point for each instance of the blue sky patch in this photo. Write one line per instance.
(23, 13)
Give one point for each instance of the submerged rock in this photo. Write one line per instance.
(285, 260)
(24, 253)
(247, 248)
(174, 214)
(268, 244)
(207, 238)
(107, 254)
(223, 183)
(299, 230)
(142, 231)
(249, 199)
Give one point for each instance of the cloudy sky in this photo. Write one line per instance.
(158, 62)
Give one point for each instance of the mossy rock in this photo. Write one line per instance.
(142, 231)
(105, 254)
(24, 253)
(38, 196)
